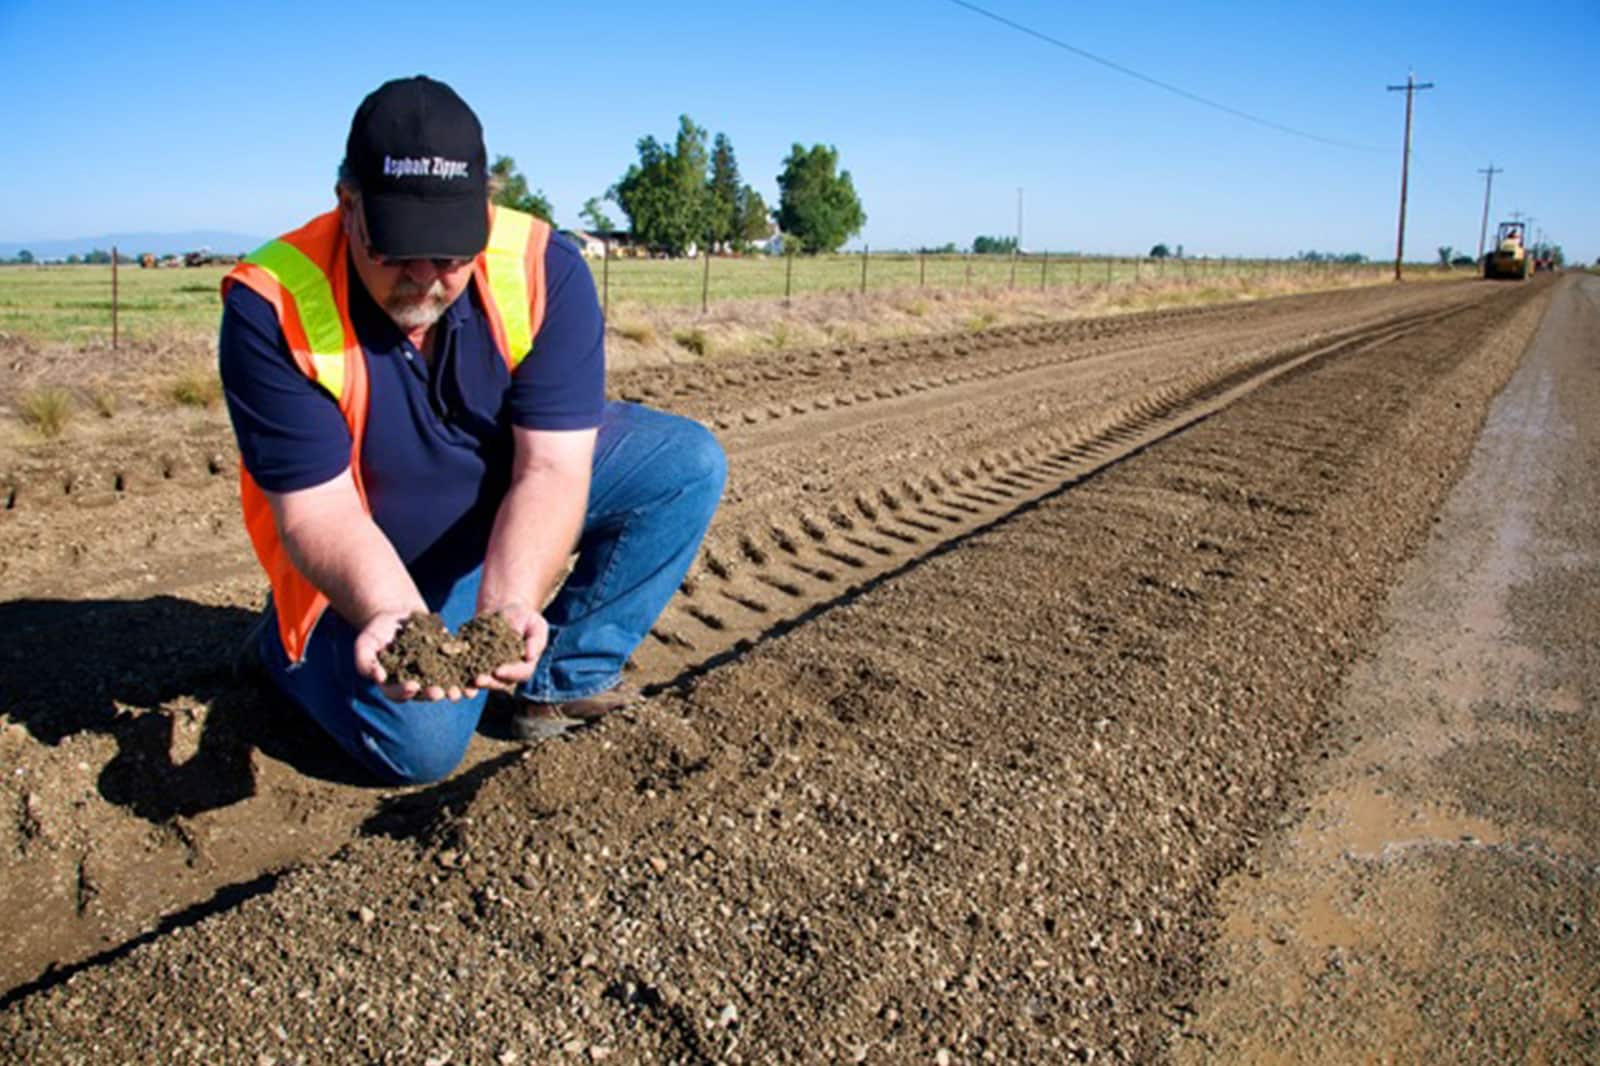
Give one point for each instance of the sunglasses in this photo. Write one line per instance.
(382, 260)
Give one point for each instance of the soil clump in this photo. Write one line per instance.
(425, 651)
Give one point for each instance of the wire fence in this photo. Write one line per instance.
(93, 304)
(713, 279)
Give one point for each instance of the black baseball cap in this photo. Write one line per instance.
(417, 151)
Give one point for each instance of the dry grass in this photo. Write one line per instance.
(637, 332)
(104, 399)
(735, 328)
(195, 386)
(694, 339)
(46, 410)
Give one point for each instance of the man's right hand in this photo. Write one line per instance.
(372, 639)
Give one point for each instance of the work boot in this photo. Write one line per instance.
(540, 721)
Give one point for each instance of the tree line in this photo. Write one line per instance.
(689, 195)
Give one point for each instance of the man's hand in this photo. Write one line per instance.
(525, 620)
(377, 635)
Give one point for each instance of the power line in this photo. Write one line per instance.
(1158, 83)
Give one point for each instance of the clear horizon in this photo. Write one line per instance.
(190, 117)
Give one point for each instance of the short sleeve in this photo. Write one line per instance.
(291, 434)
(562, 382)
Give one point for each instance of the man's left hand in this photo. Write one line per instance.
(535, 632)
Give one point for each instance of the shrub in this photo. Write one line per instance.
(695, 340)
(105, 399)
(638, 332)
(47, 410)
(196, 387)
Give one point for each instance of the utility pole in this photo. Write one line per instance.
(1488, 184)
(1411, 88)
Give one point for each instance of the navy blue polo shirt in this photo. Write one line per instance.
(436, 457)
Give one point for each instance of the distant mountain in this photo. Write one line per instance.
(132, 244)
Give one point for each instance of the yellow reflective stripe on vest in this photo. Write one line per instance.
(313, 299)
(508, 281)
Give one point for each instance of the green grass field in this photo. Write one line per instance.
(72, 304)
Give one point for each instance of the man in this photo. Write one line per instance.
(416, 381)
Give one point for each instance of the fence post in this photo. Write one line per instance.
(605, 279)
(1109, 261)
(968, 257)
(1044, 271)
(705, 282)
(113, 297)
(1138, 261)
(922, 269)
(788, 274)
(866, 250)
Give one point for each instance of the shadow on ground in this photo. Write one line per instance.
(139, 671)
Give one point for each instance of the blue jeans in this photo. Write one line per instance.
(656, 483)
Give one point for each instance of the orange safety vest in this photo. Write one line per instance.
(305, 276)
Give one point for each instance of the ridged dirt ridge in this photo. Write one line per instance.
(978, 810)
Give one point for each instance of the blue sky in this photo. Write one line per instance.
(183, 116)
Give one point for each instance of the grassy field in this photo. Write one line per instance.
(72, 304)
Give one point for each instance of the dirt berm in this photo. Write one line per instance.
(976, 812)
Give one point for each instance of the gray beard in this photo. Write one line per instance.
(413, 307)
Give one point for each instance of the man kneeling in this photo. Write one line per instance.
(417, 383)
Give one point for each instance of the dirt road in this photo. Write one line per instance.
(1002, 655)
(1439, 899)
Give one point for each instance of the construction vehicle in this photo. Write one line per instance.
(1508, 260)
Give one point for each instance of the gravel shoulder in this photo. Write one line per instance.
(1438, 896)
(977, 812)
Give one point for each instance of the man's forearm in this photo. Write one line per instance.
(340, 549)
(535, 532)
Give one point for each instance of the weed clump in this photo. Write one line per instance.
(695, 340)
(104, 399)
(196, 387)
(638, 332)
(46, 410)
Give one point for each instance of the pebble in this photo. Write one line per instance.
(942, 1057)
(367, 915)
(728, 1015)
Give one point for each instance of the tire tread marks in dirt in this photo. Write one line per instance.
(982, 809)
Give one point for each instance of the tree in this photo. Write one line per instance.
(596, 217)
(664, 193)
(1160, 251)
(722, 193)
(994, 245)
(1446, 253)
(818, 202)
(755, 221)
(511, 189)
(24, 256)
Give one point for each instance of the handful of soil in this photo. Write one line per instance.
(423, 650)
